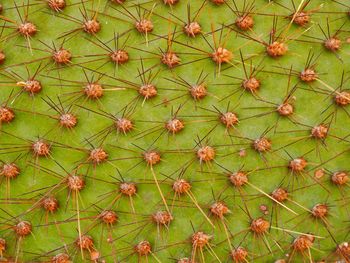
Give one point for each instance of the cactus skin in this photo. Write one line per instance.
(209, 156)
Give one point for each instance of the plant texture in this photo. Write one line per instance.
(174, 131)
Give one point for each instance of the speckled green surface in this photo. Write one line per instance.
(313, 103)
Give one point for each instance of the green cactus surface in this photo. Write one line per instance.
(180, 131)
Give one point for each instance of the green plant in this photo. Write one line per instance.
(163, 130)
